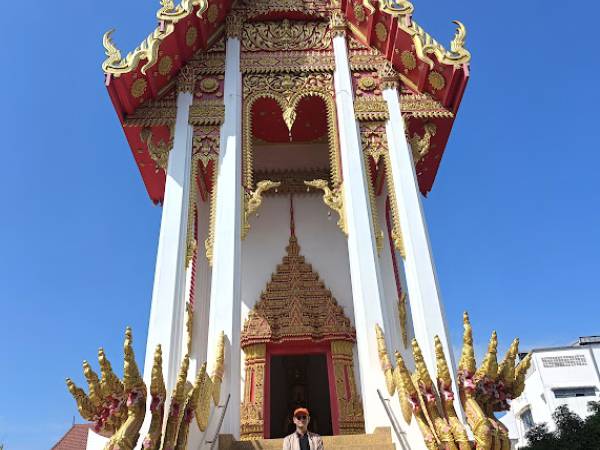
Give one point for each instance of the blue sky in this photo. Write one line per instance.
(513, 215)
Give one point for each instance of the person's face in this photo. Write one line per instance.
(301, 421)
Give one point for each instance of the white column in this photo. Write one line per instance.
(423, 291)
(367, 289)
(225, 298)
(167, 313)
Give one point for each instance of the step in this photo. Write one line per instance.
(381, 439)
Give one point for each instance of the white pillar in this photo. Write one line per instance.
(167, 313)
(423, 291)
(225, 298)
(367, 290)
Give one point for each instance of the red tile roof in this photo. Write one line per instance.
(75, 438)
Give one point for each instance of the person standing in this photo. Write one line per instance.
(302, 439)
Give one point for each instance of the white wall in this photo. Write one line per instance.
(321, 242)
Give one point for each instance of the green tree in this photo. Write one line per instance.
(572, 432)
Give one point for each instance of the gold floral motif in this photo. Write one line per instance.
(367, 83)
(138, 88)
(191, 35)
(381, 32)
(213, 13)
(209, 85)
(423, 106)
(253, 201)
(408, 60)
(165, 65)
(153, 113)
(359, 13)
(290, 62)
(372, 108)
(286, 35)
(436, 80)
(207, 112)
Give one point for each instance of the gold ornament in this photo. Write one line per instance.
(165, 65)
(367, 83)
(209, 85)
(158, 152)
(253, 201)
(408, 60)
(191, 36)
(421, 145)
(381, 32)
(213, 13)
(285, 36)
(359, 13)
(436, 80)
(334, 199)
(138, 88)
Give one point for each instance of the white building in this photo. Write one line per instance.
(558, 376)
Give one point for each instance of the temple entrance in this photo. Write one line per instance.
(299, 380)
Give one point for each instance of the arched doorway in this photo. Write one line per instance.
(298, 346)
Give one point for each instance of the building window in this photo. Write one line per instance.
(527, 419)
(564, 361)
(574, 392)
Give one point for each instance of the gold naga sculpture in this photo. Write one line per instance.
(118, 406)
(482, 391)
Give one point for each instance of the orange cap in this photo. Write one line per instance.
(301, 411)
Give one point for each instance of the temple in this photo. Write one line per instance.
(289, 143)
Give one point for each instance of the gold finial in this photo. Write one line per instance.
(84, 404)
(443, 372)
(489, 366)
(406, 388)
(396, 7)
(520, 373)
(110, 385)
(467, 360)
(95, 393)
(506, 369)
(421, 372)
(131, 374)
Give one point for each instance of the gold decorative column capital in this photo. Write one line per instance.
(234, 25)
(186, 80)
(389, 77)
(338, 23)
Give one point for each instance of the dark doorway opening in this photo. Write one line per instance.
(299, 381)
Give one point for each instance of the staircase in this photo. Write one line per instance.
(381, 439)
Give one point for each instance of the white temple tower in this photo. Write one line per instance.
(289, 143)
